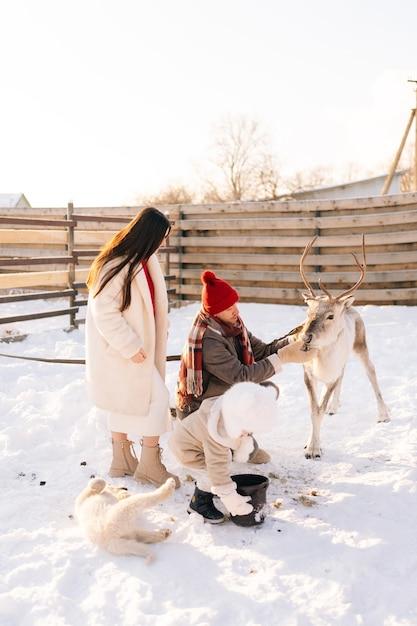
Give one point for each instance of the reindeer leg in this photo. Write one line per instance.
(334, 402)
(312, 447)
(383, 413)
(329, 390)
(361, 349)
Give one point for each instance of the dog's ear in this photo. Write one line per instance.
(97, 485)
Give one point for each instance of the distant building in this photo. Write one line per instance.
(356, 189)
(13, 201)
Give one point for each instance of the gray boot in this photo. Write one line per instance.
(150, 468)
(124, 461)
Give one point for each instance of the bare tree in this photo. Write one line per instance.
(304, 180)
(174, 194)
(352, 172)
(244, 167)
(212, 193)
(269, 180)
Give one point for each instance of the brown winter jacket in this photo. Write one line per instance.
(200, 442)
(222, 366)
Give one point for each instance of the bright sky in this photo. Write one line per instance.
(103, 100)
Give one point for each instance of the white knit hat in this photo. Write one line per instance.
(249, 407)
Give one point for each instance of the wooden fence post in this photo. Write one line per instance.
(181, 216)
(166, 271)
(317, 232)
(71, 264)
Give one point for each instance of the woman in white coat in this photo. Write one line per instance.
(126, 336)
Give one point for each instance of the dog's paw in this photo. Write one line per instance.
(170, 485)
(97, 485)
(165, 533)
(122, 493)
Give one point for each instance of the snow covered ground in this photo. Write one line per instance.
(345, 556)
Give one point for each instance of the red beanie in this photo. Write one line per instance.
(217, 295)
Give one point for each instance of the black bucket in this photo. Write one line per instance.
(255, 486)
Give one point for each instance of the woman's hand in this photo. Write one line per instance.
(139, 357)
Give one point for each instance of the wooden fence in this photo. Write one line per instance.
(255, 245)
(68, 242)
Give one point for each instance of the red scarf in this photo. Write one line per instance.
(190, 380)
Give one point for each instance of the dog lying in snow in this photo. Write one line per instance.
(109, 517)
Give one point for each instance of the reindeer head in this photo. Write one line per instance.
(325, 312)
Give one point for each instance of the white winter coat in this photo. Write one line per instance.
(116, 384)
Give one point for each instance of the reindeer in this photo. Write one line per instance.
(335, 330)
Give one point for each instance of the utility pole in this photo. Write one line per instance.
(413, 116)
(415, 139)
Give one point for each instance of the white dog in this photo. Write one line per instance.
(109, 517)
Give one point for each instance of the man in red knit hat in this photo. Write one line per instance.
(220, 352)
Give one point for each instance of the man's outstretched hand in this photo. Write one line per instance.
(294, 353)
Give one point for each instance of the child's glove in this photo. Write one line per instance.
(242, 453)
(232, 500)
(237, 504)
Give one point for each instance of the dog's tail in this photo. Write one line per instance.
(96, 485)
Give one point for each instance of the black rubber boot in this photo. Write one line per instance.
(202, 503)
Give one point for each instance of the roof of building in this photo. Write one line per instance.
(349, 185)
(10, 200)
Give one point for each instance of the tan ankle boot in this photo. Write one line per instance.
(150, 468)
(124, 461)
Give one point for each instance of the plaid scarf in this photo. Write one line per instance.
(190, 380)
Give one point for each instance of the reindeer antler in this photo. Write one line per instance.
(362, 269)
(361, 266)
(325, 290)
(303, 276)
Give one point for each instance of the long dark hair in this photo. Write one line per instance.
(133, 244)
